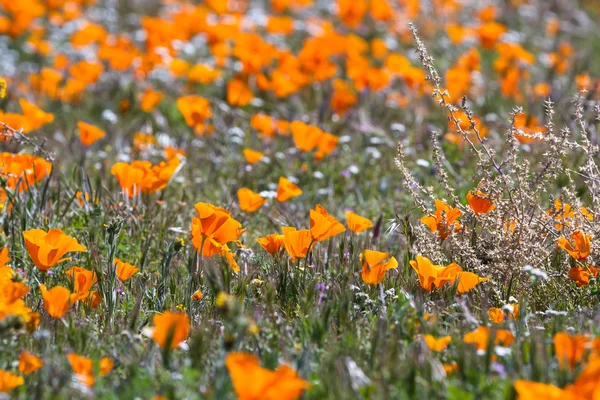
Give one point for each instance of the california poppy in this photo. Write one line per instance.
(578, 245)
(581, 275)
(297, 242)
(9, 381)
(195, 110)
(106, 365)
(570, 349)
(437, 344)
(29, 363)
(197, 295)
(565, 215)
(467, 281)
(82, 279)
(479, 202)
(57, 300)
(287, 190)
(250, 201)
(125, 270)
(143, 176)
(480, 337)
(214, 227)
(150, 99)
(170, 328)
(584, 387)
(434, 276)
(305, 136)
(356, 223)
(498, 315)
(238, 93)
(251, 381)
(46, 249)
(374, 266)
(82, 368)
(322, 225)
(443, 219)
(272, 243)
(252, 156)
(89, 134)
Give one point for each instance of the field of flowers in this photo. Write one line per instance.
(285, 199)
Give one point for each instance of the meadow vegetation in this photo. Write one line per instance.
(284, 199)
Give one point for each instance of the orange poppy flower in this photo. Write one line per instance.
(215, 227)
(195, 110)
(204, 74)
(143, 141)
(489, 33)
(170, 328)
(251, 381)
(443, 219)
(150, 99)
(480, 337)
(479, 202)
(434, 276)
(238, 93)
(352, 12)
(29, 363)
(34, 116)
(578, 245)
(306, 137)
(143, 176)
(264, 124)
(565, 215)
(83, 368)
(23, 170)
(581, 275)
(47, 249)
(297, 242)
(356, 223)
(326, 145)
(197, 295)
(124, 270)
(374, 266)
(343, 97)
(322, 225)
(89, 134)
(528, 390)
(570, 349)
(57, 300)
(172, 152)
(250, 201)
(287, 190)
(437, 344)
(498, 315)
(467, 281)
(86, 72)
(82, 279)
(281, 25)
(9, 381)
(252, 156)
(272, 243)
(106, 365)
